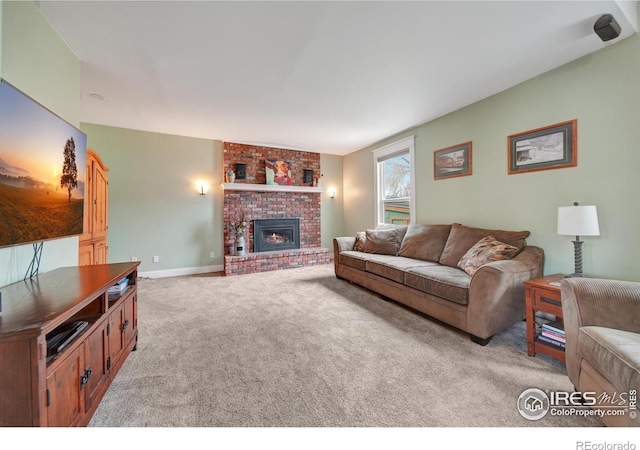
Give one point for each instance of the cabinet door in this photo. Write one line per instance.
(101, 187)
(88, 201)
(85, 255)
(100, 252)
(115, 335)
(64, 395)
(96, 365)
(130, 323)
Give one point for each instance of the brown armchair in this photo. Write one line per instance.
(602, 328)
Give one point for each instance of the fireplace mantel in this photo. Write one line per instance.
(270, 188)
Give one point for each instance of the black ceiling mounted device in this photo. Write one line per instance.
(607, 28)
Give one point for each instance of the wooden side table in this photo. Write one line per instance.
(545, 297)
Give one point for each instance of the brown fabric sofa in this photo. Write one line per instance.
(602, 329)
(418, 266)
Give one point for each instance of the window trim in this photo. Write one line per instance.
(387, 152)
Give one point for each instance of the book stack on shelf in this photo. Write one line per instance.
(118, 289)
(553, 334)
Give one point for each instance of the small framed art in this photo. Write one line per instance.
(454, 161)
(551, 147)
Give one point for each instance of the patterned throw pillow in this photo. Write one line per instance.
(461, 238)
(361, 237)
(484, 251)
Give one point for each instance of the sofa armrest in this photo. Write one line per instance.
(496, 292)
(343, 244)
(596, 302)
(602, 303)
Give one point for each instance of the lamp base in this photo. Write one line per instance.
(575, 275)
(577, 257)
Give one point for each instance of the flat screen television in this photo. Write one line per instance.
(42, 171)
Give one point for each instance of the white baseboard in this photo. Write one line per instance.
(180, 272)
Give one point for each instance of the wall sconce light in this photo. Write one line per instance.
(332, 192)
(578, 221)
(203, 188)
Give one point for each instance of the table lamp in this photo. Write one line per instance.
(578, 221)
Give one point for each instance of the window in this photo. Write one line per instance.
(395, 182)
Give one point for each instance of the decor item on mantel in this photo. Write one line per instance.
(578, 221)
(231, 176)
(278, 172)
(238, 227)
(241, 171)
(307, 177)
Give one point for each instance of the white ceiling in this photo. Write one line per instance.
(328, 77)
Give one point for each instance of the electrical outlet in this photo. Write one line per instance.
(212, 254)
(156, 259)
(134, 258)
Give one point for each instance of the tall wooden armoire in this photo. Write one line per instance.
(93, 243)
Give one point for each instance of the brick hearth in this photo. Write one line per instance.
(266, 261)
(256, 204)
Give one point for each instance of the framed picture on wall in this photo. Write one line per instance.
(550, 147)
(454, 161)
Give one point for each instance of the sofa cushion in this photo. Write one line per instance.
(382, 242)
(484, 251)
(393, 267)
(461, 238)
(361, 237)
(612, 352)
(442, 281)
(424, 242)
(355, 259)
(402, 230)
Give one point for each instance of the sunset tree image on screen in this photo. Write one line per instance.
(69, 178)
(42, 171)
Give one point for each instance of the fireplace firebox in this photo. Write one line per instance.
(275, 234)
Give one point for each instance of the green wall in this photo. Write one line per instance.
(601, 91)
(37, 61)
(331, 209)
(154, 205)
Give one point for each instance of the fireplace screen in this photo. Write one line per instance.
(276, 234)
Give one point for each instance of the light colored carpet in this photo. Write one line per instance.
(300, 348)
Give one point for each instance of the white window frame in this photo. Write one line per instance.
(403, 146)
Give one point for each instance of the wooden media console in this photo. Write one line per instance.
(62, 385)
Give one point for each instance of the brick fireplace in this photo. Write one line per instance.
(255, 200)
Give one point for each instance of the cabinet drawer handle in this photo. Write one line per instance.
(84, 378)
(125, 325)
(551, 301)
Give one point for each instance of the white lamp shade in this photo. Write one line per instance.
(578, 221)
